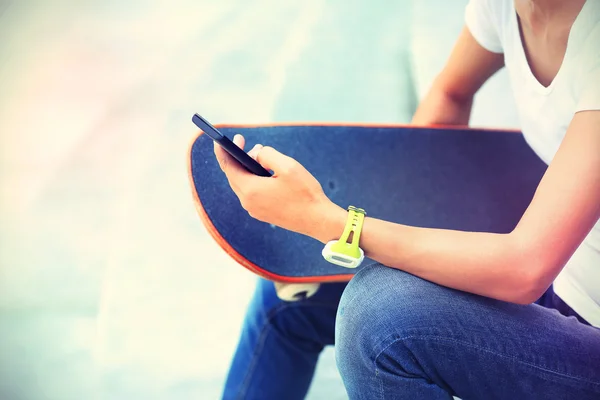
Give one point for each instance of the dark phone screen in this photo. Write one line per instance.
(248, 162)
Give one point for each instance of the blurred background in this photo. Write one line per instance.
(109, 286)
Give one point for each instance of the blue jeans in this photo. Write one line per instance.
(400, 337)
(280, 344)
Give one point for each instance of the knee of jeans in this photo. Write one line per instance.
(264, 301)
(379, 305)
(309, 321)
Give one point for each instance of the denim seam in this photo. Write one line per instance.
(381, 389)
(261, 342)
(263, 337)
(439, 338)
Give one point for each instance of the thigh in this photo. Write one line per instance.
(396, 331)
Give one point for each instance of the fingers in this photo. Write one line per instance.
(239, 140)
(271, 159)
(255, 150)
(223, 158)
(267, 156)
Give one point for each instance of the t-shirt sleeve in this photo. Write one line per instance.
(589, 97)
(481, 22)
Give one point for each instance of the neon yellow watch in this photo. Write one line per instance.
(342, 253)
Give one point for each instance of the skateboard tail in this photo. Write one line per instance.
(236, 256)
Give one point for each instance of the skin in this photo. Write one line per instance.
(515, 267)
(545, 27)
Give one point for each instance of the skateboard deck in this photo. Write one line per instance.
(453, 178)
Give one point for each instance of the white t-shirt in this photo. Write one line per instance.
(546, 112)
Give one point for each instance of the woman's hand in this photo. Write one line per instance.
(291, 199)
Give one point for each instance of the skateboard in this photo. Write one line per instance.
(438, 177)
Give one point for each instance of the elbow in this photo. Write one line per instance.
(528, 293)
(532, 276)
(457, 94)
(528, 287)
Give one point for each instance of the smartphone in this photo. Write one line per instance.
(247, 162)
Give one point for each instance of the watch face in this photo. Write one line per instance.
(342, 259)
(339, 258)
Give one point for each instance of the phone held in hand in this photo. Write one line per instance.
(247, 162)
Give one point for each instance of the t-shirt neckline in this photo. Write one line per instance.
(545, 90)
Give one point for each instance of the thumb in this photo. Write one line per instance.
(273, 160)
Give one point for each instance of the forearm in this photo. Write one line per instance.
(491, 265)
(440, 108)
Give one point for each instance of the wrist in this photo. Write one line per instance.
(330, 221)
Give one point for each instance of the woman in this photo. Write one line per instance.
(449, 313)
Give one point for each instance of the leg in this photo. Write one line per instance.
(401, 337)
(281, 342)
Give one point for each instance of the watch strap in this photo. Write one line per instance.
(353, 229)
